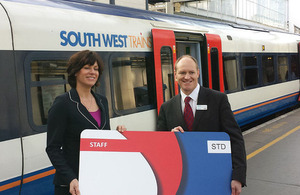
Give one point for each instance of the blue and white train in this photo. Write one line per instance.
(257, 68)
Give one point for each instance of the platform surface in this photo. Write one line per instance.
(273, 157)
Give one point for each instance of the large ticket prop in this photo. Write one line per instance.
(154, 163)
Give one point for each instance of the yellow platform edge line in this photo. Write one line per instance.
(272, 143)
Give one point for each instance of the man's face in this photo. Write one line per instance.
(187, 75)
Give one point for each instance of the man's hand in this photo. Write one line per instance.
(236, 187)
(177, 129)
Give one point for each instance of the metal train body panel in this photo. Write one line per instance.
(257, 103)
(40, 30)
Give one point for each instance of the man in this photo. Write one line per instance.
(204, 110)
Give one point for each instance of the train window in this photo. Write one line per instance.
(282, 68)
(250, 71)
(48, 80)
(130, 82)
(215, 68)
(167, 73)
(230, 74)
(268, 69)
(294, 67)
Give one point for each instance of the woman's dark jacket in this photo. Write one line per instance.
(67, 118)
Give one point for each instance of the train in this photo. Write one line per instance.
(258, 69)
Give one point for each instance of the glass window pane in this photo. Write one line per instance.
(268, 69)
(215, 68)
(167, 72)
(230, 74)
(250, 77)
(282, 68)
(47, 69)
(249, 61)
(130, 82)
(250, 71)
(49, 79)
(294, 67)
(42, 99)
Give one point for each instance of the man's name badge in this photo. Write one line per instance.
(201, 107)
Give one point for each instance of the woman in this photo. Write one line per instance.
(70, 114)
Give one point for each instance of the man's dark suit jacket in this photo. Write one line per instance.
(218, 118)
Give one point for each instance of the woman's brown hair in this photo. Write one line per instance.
(80, 59)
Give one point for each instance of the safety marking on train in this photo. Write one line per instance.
(272, 142)
(265, 103)
(27, 180)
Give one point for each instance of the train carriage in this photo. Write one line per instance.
(257, 68)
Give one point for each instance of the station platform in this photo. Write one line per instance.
(273, 156)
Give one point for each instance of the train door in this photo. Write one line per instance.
(164, 58)
(10, 122)
(190, 44)
(214, 62)
(206, 48)
(299, 68)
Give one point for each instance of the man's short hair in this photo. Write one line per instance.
(186, 56)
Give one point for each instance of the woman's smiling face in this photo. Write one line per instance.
(88, 75)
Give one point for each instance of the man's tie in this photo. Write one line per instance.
(188, 113)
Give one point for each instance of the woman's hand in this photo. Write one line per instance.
(121, 128)
(74, 187)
